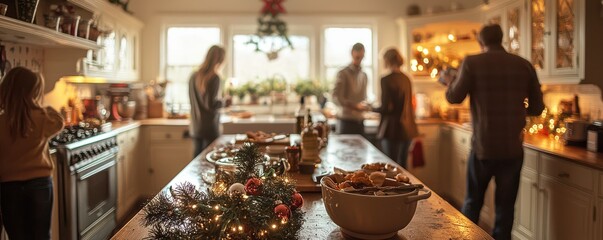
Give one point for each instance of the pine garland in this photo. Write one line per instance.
(222, 213)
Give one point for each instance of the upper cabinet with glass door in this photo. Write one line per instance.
(554, 36)
(511, 18)
(436, 42)
(118, 58)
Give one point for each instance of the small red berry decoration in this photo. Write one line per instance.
(253, 186)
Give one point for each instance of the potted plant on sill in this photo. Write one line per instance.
(251, 89)
(309, 88)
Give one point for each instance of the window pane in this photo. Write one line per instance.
(188, 45)
(186, 50)
(339, 42)
(292, 64)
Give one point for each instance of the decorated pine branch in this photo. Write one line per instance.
(250, 205)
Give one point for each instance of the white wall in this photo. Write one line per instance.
(383, 13)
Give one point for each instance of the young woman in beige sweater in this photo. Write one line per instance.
(25, 164)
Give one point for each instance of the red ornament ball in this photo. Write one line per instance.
(253, 186)
(297, 201)
(282, 211)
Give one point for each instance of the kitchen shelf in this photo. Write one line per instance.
(13, 30)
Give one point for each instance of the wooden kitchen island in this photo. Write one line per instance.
(434, 218)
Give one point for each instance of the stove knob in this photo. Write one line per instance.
(75, 158)
(83, 156)
(90, 153)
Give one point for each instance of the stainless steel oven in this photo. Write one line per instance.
(88, 188)
(96, 190)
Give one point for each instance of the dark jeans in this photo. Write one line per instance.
(201, 144)
(26, 208)
(397, 150)
(506, 175)
(350, 127)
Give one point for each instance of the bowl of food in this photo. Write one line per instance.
(371, 205)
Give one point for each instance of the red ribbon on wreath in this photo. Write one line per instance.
(273, 7)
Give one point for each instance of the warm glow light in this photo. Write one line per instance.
(217, 207)
(273, 226)
(82, 79)
(413, 68)
(194, 206)
(425, 51)
(420, 67)
(425, 60)
(451, 37)
(438, 48)
(434, 73)
(420, 48)
(414, 62)
(540, 126)
(240, 228)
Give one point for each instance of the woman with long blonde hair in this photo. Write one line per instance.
(204, 89)
(25, 163)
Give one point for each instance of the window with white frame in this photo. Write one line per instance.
(338, 42)
(186, 48)
(292, 64)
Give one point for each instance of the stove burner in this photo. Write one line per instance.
(75, 133)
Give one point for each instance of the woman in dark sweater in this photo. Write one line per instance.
(397, 127)
(204, 88)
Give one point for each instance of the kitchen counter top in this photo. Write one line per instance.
(554, 147)
(434, 218)
(538, 143)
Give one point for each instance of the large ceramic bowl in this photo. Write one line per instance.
(369, 216)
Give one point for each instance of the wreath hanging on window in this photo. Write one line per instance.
(271, 36)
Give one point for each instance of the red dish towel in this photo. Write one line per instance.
(418, 159)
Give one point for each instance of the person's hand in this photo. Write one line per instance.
(362, 106)
(447, 76)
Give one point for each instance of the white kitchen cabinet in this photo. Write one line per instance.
(555, 32)
(511, 17)
(445, 161)
(430, 172)
(128, 172)
(169, 151)
(433, 42)
(565, 212)
(119, 55)
(460, 148)
(526, 210)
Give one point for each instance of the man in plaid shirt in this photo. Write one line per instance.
(498, 84)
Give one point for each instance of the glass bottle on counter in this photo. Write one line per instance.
(310, 144)
(300, 116)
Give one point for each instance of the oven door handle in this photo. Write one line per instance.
(95, 171)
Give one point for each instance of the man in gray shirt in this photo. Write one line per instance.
(350, 94)
(498, 84)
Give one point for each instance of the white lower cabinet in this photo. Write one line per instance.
(556, 200)
(169, 151)
(526, 211)
(430, 172)
(128, 172)
(565, 212)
